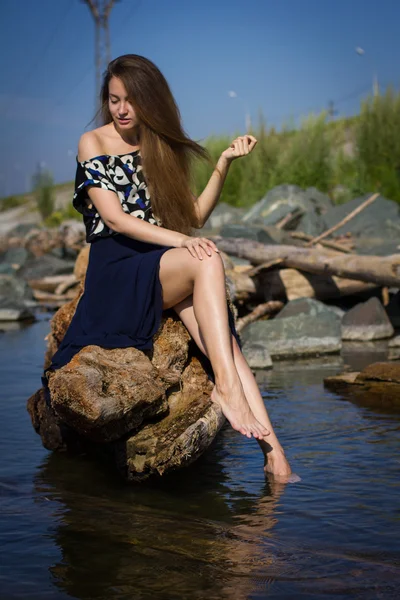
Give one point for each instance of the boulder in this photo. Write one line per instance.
(13, 259)
(257, 355)
(311, 223)
(258, 233)
(297, 336)
(366, 321)
(278, 202)
(381, 219)
(308, 306)
(377, 385)
(104, 394)
(223, 213)
(46, 265)
(14, 292)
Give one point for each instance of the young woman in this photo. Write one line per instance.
(137, 164)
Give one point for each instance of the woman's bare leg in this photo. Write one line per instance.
(275, 461)
(182, 275)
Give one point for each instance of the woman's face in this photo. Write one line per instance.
(121, 109)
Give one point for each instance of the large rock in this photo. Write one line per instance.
(297, 336)
(308, 306)
(366, 321)
(14, 291)
(380, 219)
(285, 199)
(46, 265)
(223, 213)
(15, 298)
(377, 385)
(257, 355)
(278, 202)
(104, 394)
(258, 233)
(13, 259)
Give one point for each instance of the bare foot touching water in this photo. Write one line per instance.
(277, 466)
(236, 409)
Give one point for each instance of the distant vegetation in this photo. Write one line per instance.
(343, 158)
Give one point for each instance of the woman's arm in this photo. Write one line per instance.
(109, 208)
(208, 199)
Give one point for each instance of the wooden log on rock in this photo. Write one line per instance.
(381, 270)
(290, 284)
(52, 284)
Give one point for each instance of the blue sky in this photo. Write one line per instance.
(285, 57)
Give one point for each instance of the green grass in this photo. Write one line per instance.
(358, 155)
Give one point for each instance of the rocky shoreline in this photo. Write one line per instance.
(297, 294)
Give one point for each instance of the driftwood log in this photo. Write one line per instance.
(380, 270)
(150, 412)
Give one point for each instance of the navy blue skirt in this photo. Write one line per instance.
(122, 302)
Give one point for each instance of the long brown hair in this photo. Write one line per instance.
(165, 148)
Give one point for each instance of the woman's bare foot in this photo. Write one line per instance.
(236, 409)
(275, 464)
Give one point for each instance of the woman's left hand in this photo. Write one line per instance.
(240, 147)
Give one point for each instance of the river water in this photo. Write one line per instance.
(71, 529)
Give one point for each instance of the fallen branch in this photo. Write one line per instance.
(264, 267)
(299, 235)
(261, 310)
(348, 218)
(381, 270)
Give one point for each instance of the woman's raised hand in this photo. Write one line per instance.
(199, 247)
(240, 147)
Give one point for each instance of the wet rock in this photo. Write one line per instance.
(46, 265)
(308, 306)
(257, 355)
(55, 435)
(377, 385)
(366, 321)
(297, 336)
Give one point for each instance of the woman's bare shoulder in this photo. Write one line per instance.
(91, 143)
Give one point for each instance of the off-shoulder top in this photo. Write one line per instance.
(122, 174)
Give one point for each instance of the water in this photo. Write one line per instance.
(71, 529)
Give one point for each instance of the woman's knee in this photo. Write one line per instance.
(211, 263)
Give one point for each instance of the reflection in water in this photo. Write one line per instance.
(178, 537)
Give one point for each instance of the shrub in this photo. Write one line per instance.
(43, 191)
